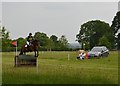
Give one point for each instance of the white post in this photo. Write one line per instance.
(37, 66)
(68, 57)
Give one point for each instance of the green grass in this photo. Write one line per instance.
(0, 68)
(55, 68)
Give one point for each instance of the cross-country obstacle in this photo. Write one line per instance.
(25, 60)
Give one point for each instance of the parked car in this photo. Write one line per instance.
(98, 51)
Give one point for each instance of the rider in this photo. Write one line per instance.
(81, 54)
(29, 39)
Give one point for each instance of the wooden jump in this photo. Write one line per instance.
(25, 60)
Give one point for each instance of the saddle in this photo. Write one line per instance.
(27, 45)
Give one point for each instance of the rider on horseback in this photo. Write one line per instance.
(29, 39)
(32, 45)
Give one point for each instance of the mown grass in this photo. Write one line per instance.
(55, 68)
(0, 68)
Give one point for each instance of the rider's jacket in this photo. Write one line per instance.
(29, 38)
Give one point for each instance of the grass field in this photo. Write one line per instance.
(55, 68)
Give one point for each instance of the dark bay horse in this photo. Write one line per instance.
(33, 47)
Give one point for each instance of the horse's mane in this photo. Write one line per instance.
(35, 42)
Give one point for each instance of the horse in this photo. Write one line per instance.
(32, 47)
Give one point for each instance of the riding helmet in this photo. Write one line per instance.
(30, 33)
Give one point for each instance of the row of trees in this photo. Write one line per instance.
(94, 33)
(46, 43)
(52, 42)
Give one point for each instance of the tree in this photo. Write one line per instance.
(21, 41)
(91, 31)
(4, 33)
(116, 23)
(103, 41)
(41, 37)
(118, 41)
(54, 38)
(6, 42)
(63, 40)
(44, 40)
(115, 28)
(50, 44)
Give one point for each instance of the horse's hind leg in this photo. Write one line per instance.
(36, 53)
(25, 53)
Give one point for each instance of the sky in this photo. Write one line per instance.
(118, 10)
(0, 13)
(54, 18)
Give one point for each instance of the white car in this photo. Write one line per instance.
(98, 51)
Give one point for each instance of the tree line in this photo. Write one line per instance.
(52, 43)
(91, 33)
(99, 33)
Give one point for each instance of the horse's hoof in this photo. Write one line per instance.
(36, 56)
(20, 54)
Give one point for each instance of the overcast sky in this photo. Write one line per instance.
(119, 10)
(54, 18)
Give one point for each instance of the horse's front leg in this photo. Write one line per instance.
(25, 53)
(36, 53)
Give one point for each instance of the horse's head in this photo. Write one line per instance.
(35, 43)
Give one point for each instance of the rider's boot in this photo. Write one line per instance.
(27, 46)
